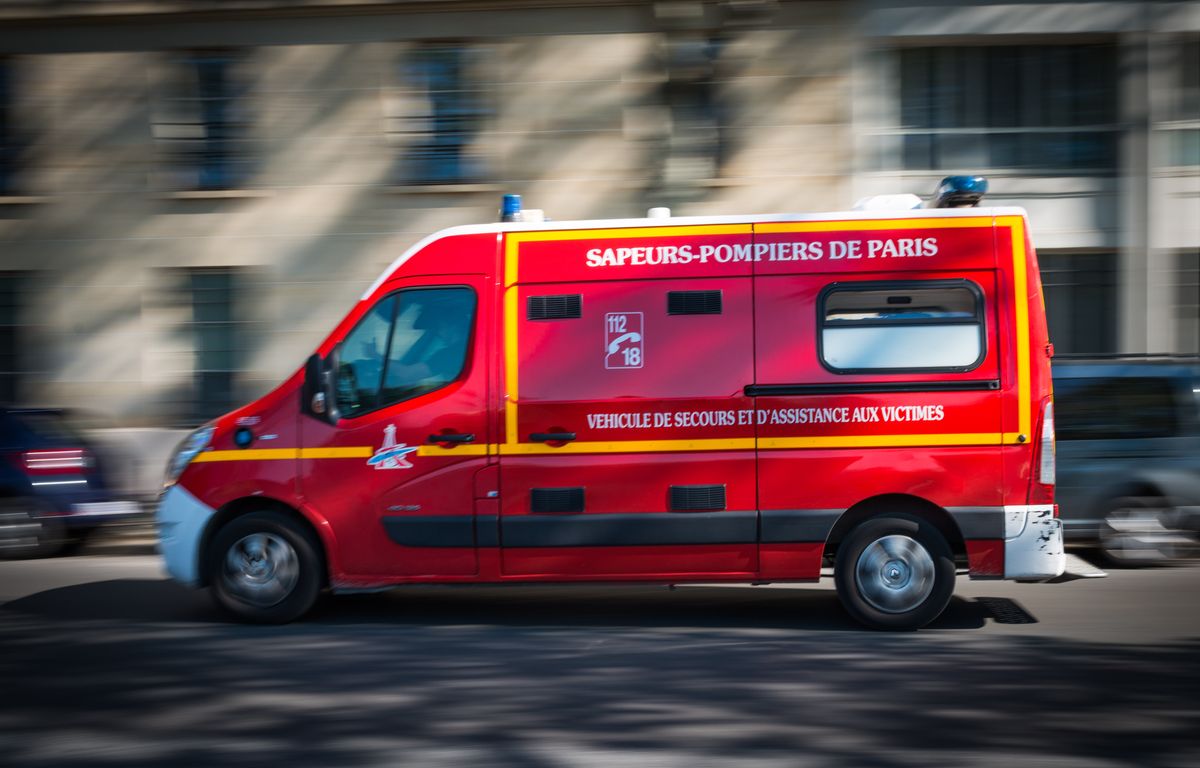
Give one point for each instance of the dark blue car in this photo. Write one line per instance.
(53, 491)
(1129, 456)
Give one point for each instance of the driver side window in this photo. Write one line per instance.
(411, 343)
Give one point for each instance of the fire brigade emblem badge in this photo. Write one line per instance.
(391, 455)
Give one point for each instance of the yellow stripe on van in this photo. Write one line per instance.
(279, 454)
(512, 446)
(348, 452)
(456, 450)
(881, 441)
(633, 446)
(249, 454)
(1021, 307)
(612, 234)
(512, 309)
(871, 225)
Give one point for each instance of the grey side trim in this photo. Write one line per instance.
(631, 530)
(979, 522)
(487, 530)
(431, 530)
(798, 525)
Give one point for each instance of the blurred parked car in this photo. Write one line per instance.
(1129, 455)
(53, 490)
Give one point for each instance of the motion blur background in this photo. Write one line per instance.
(193, 192)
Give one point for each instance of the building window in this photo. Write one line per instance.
(1081, 301)
(1187, 305)
(444, 106)
(203, 125)
(12, 336)
(1037, 108)
(215, 334)
(9, 146)
(694, 148)
(1182, 129)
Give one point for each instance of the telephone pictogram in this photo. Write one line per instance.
(623, 340)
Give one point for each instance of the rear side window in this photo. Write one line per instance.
(1135, 407)
(928, 325)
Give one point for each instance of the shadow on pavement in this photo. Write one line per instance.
(151, 600)
(138, 673)
(561, 606)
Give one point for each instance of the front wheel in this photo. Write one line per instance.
(265, 568)
(895, 572)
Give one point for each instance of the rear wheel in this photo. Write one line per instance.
(895, 572)
(265, 568)
(28, 529)
(1133, 533)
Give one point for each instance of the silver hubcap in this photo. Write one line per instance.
(1137, 534)
(261, 569)
(895, 574)
(19, 531)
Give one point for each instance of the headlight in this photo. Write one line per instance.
(187, 450)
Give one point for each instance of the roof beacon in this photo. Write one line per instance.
(658, 213)
(510, 208)
(960, 192)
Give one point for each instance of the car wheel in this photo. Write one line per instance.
(895, 572)
(28, 529)
(75, 540)
(265, 568)
(1133, 533)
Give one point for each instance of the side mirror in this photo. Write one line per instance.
(318, 397)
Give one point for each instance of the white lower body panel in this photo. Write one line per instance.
(1033, 542)
(182, 519)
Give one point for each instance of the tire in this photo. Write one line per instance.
(894, 572)
(28, 529)
(75, 540)
(265, 568)
(1133, 534)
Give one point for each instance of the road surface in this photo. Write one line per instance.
(103, 662)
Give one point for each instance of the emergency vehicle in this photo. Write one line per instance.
(666, 400)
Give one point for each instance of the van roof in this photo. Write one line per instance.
(500, 228)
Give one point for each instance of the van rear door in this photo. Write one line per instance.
(878, 373)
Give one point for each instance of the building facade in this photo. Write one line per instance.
(193, 193)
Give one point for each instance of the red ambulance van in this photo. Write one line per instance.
(732, 399)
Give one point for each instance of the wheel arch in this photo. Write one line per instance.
(892, 503)
(244, 506)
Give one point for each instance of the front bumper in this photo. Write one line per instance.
(1033, 543)
(182, 519)
(89, 512)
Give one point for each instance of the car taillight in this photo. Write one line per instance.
(66, 461)
(1046, 446)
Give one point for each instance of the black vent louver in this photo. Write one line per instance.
(564, 307)
(693, 302)
(696, 498)
(556, 500)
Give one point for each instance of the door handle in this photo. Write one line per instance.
(552, 437)
(467, 438)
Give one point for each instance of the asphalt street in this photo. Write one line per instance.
(104, 662)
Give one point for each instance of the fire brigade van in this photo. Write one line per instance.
(664, 400)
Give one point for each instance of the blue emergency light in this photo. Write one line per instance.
(510, 208)
(960, 192)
